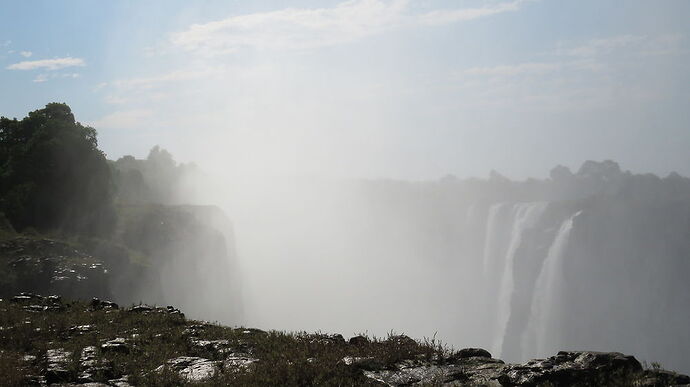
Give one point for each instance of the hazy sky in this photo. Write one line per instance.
(371, 88)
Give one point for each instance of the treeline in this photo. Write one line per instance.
(156, 179)
(53, 176)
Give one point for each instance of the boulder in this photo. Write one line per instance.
(420, 375)
(193, 369)
(79, 330)
(115, 345)
(238, 362)
(27, 297)
(471, 352)
(57, 362)
(358, 340)
(194, 330)
(143, 308)
(217, 346)
(93, 369)
(97, 304)
(325, 338)
(572, 367)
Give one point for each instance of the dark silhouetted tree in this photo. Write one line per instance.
(52, 174)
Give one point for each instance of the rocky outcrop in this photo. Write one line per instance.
(47, 266)
(191, 368)
(190, 260)
(76, 343)
(575, 368)
(182, 255)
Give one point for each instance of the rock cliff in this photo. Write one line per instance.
(158, 254)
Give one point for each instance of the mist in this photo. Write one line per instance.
(347, 165)
(590, 259)
(508, 175)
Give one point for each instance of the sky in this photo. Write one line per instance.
(362, 88)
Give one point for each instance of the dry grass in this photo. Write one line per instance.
(284, 358)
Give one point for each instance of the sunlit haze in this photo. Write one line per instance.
(508, 174)
(363, 88)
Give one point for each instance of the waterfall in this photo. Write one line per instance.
(541, 335)
(492, 236)
(524, 216)
(469, 215)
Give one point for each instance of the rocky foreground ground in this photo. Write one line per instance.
(47, 341)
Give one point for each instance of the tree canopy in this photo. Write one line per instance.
(52, 174)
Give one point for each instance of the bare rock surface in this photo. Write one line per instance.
(192, 368)
(98, 344)
(116, 345)
(57, 368)
(239, 362)
(573, 368)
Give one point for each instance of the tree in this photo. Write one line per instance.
(52, 174)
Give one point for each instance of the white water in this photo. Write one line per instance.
(492, 245)
(525, 216)
(541, 335)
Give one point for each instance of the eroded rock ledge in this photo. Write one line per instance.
(47, 341)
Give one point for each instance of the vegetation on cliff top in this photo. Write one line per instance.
(44, 340)
(153, 336)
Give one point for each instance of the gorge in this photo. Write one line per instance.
(587, 260)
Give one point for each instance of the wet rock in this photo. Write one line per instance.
(358, 340)
(366, 363)
(482, 370)
(34, 308)
(38, 303)
(27, 297)
(35, 380)
(98, 304)
(121, 382)
(253, 331)
(567, 368)
(420, 375)
(29, 358)
(471, 352)
(654, 378)
(238, 362)
(193, 330)
(325, 338)
(115, 345)
(470, 371)
(52, 267)
(93, 369)
(193, 369)
(211, 345)
(171, 310)
(88, 356)
(143, 308)
(57, 370)
(79, 330)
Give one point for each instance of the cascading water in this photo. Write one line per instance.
(492, 240)
(525, 216)
(541, 335)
